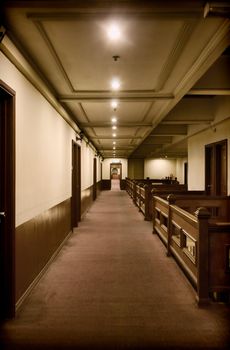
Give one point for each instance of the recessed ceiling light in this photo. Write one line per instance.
(114, 104)
(114, 127)
(114, 147)
(114, 142)
(114, 32)
(115, 84)
(114, 135)
(114, 120)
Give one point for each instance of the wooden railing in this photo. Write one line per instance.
(142, 191)
(199, 242)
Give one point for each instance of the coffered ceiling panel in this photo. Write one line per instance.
(125, 112)
(87, 55)
(170, 59)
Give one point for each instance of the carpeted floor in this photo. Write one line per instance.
(112, 287)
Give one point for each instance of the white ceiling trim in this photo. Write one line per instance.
(179, 45)
(210, 53)
(123, 96)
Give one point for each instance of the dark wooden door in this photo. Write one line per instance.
(7, 202)
(185, 173)
(94, 178)
(216, 169)
(76, 184)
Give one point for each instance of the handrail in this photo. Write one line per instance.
(198, 245)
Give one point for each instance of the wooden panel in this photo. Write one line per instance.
(37, 240)
(86, 199)
(219, 243)
(105, 185)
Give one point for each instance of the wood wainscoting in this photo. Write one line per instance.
(37, 240)
(87, 197)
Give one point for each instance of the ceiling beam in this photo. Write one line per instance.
(123, 137)
(169, 129)
(186, 121)
(108, 124)
(123, 96)
(112, 150)
(211, 92)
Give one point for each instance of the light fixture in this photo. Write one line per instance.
(115, 84)
(114, 142)
(114, 147)
(114, 120)
(114, 127)
(114, 104)
(114, 32)
(114, 135)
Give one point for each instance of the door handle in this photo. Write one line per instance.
(2, 213)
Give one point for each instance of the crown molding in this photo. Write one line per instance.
(10, 50)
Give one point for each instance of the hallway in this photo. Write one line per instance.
(112, 287)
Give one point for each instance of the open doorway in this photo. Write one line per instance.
(115, 175)
(7, 201)
(115, 171)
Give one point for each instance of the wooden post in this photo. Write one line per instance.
(134, 191)
(153, 209)
(148, 214)
(171, 200)
(202, 215)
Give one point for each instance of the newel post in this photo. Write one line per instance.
(203, 216)
(171, 200)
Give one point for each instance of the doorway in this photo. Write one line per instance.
(7, 201)
(76, 184)
(115, 176)
(216, 169)
(115, 171)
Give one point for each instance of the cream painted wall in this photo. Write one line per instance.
(43, 149)
(159, 168)
(180, 169)
(87, 159)
(196, 154)
(136, 168)
(106, 167)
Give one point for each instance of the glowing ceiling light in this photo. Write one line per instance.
(114, 120)
(114, 32)
(115, 84)
(114, 142)
(114, 147)
(114, 104)
(114, 135)
(114, 127)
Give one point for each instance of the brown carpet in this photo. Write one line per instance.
(112, 287)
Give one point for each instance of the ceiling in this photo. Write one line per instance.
(171, 59)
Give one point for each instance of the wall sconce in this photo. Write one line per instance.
(80, 136)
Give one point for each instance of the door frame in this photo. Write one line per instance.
(7, 248)
(215, 179)
(186, 173)
(94, 178)
(76, 185)
(117, 165)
